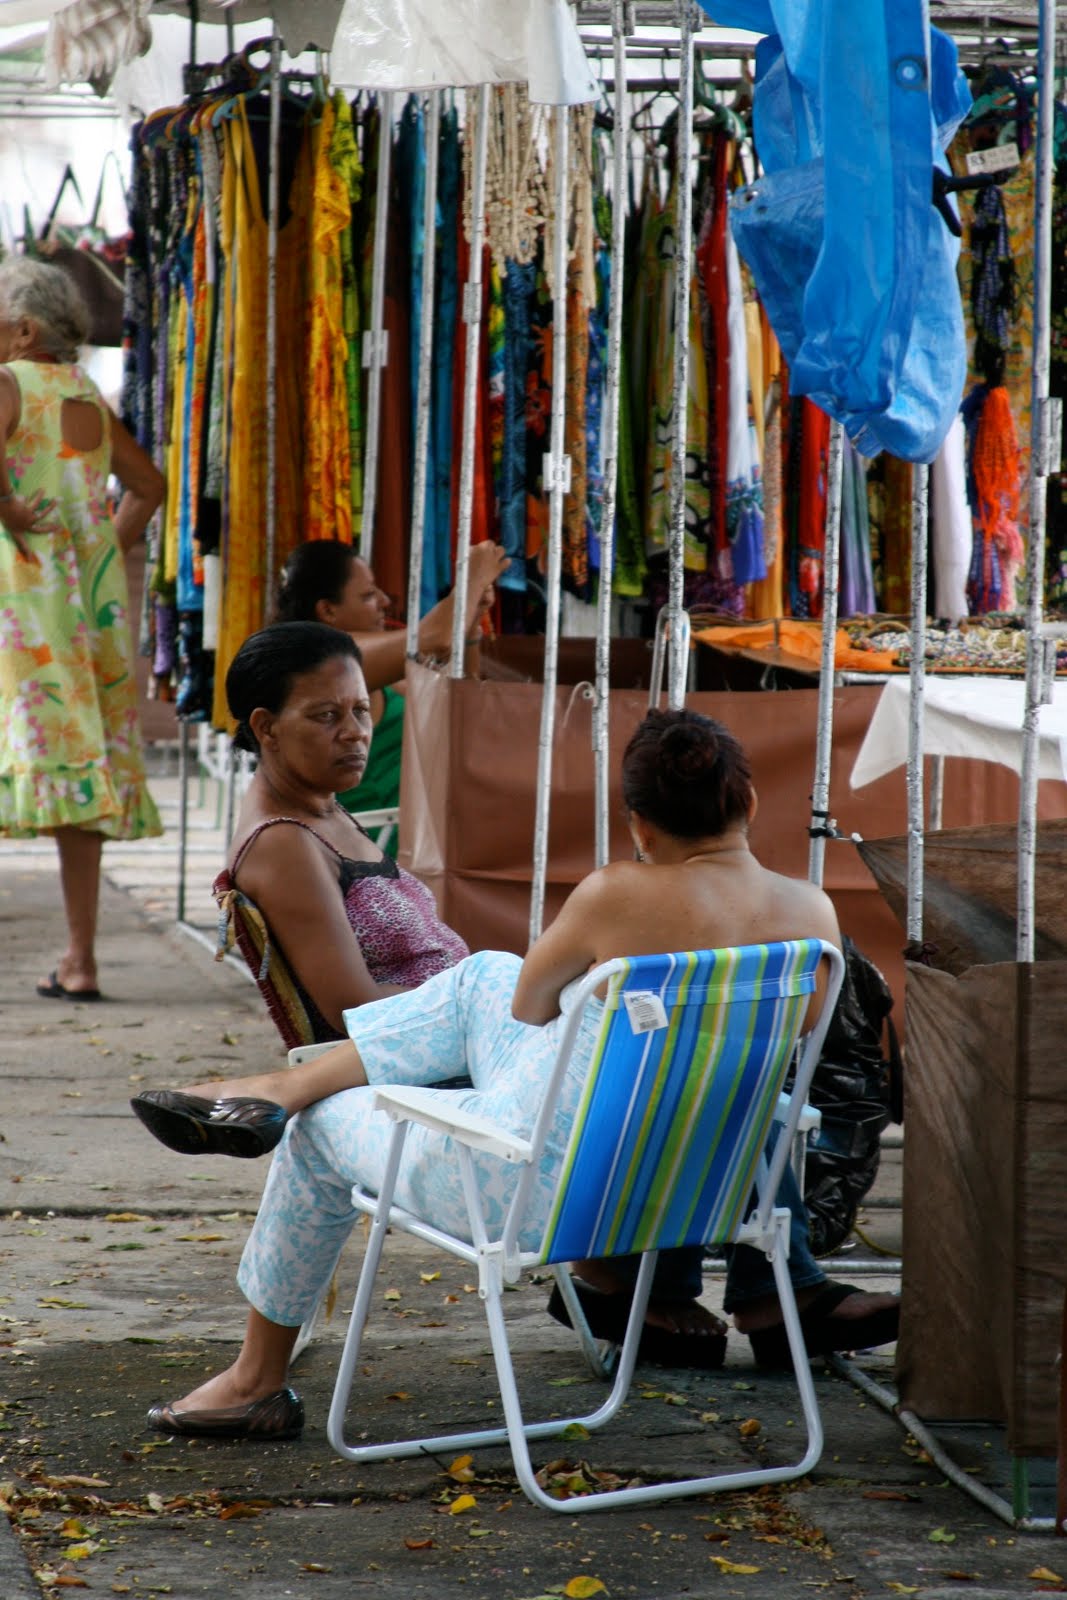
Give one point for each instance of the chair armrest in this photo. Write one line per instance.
(810, 1117)
(308, 1052)
(431, 1108)
(378, 818)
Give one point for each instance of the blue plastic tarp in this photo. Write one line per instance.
(853, 107)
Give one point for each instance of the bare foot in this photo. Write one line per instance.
(281, 1087)
(687, 1316)
(223, 1391)
(76, 977)
(767, 1312)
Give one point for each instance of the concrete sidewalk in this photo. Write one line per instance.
(116, 1289)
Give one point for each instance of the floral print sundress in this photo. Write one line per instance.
(70, 741)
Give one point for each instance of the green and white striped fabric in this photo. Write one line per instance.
(679, 1098)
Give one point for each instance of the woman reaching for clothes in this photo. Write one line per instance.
(491, 1015)
(326, 581)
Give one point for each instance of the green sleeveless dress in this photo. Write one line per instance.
(70, 740)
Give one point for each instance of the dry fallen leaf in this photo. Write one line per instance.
(419, 1544)
(67, 1580)
(1043, 1575)
(429, 1277)
(902, 1588)
(465, 1502)
(398, 1394)
(733, 1566)
(750, 1427)
(314, 1566)
(462, 1469)
(582, 1588)
(392, 1294)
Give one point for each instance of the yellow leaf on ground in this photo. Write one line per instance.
(733, 1566)
(750, 1427)
(1043, 1575)
(903, 1588)
(462, 1469)
(429, 1277)
(465, 1502)
(581, 1588)
(126, 1216)
(392, 1294)
(79, 1552)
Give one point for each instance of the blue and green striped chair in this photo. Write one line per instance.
(668, 1147)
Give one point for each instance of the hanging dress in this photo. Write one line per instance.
(70, 739)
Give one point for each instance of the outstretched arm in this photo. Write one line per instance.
(384, 653)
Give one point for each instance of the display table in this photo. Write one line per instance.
(977, 717)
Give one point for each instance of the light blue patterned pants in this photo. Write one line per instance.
(457, 1023)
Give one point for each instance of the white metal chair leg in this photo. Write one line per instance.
(601, 1355)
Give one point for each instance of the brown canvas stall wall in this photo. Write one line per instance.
(985, 1158)
(469, 783)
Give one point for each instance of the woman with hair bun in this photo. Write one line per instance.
(70, 743)
(695, 884)
(325, 580)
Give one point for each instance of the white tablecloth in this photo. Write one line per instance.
(977, 717)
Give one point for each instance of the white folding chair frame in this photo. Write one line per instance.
(500, 1261)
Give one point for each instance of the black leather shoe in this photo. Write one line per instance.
(194, 1127)
(276, 1416)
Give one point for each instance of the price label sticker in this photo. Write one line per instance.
(645, 1010)
(998, 158)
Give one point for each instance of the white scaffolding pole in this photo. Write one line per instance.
(920, 481)
(376, 338)
(269, 577)
(472, 315)
(620, 164)
(557, 478)
(1044, 458)
(678, 641)
(824, 736)
(422, 401)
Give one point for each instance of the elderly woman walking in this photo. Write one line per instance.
(70, 746)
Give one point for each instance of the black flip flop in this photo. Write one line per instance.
(52, 989)
(608, 1314)
(823, 1332)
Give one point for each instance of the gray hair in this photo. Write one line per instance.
(47, 296)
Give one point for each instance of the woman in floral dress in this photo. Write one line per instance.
(70, 747)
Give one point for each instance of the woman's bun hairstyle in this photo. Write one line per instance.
(317, 570)
(261, 673)
(686, 774)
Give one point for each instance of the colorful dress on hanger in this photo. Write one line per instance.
(70, 739)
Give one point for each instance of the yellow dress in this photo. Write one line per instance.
(70, 740)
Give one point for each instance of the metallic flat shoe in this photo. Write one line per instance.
(194, 1127)
(277, 1416)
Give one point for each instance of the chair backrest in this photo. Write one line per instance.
(679, 1097)
(292, 1011)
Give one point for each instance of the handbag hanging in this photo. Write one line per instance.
(95, 261)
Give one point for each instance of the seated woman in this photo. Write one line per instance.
(326, 581)
(696, 883)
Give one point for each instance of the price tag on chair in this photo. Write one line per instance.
(645, 1010)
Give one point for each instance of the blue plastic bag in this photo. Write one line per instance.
(853, 107)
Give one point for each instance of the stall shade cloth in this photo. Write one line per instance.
(430, 44)
(977, 717)
(853, 108)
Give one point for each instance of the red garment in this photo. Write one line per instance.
(711, 276)
(482, 508)
(811, 529)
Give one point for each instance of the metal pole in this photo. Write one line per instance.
(1044, 452)
(376, 339)
(920, 491)
(422, 403)
(610, 436)
(183, 814)
(824, 737)
(272, 326)
(472, 315)
(557, 481)
(677, 655)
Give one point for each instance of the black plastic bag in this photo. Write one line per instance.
(858, 1091)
